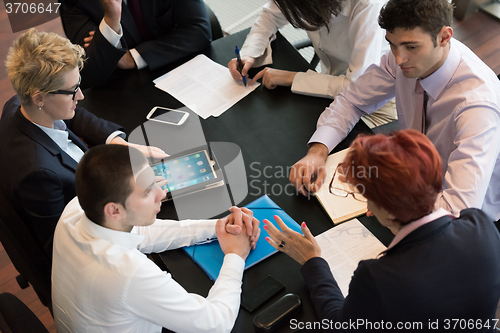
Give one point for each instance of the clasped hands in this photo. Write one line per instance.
(238, 232)
(271, 78)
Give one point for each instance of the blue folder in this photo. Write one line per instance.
(209, 256)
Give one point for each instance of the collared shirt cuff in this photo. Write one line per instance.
(234, 262)
(114, 135)
(327, 136)
(316, 84)
(261, 58)
(139, 61)
(111, 36)
(311, 83)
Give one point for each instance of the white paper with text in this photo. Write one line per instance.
(344, 246)
(205, 84)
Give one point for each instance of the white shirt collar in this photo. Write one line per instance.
(125, 239)
(58, 133)
(60, 136)
(408, 228)
(435, 83)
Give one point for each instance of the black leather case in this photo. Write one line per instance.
(271, 318)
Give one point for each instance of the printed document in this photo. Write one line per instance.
(344, 246)
(206, 86)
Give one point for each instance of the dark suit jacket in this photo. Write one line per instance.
(446, 269)
(179, 28)
(37, 176)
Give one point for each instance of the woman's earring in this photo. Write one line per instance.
(40, 107)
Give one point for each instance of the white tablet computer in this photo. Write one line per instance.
(188, 173)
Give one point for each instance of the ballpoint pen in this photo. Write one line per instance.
(240, 64)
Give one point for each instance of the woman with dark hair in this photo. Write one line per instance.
(345, 35)
(436, 269)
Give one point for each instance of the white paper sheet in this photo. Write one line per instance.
(205, 84)
(344, 246)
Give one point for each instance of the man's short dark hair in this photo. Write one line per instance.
(309, 15)
(430, 15)
(104, 175)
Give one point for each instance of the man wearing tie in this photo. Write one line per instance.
(134, 34)
(442, 89)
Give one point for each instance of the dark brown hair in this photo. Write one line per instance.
(104, 175)
(309, 14)
(430, 15)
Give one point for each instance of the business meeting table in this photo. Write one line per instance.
(272, 128)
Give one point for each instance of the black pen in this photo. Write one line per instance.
(240, 64)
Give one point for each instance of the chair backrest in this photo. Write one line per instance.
(16, 317)
(214, 23)
(25, 252)
(308, 43)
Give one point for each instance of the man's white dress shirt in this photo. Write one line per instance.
(463, 122)
(354, 42)
(103, 282)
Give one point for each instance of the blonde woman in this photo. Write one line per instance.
(43, 133)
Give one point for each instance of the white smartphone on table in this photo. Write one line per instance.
(167, 116)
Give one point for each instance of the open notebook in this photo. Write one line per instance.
(338, 208)
(209, 256)
(344, 246)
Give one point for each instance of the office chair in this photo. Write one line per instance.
(306, 43)
(25, 252)
(16, 317)
(214, 23)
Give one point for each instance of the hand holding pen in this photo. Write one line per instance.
(239, 66)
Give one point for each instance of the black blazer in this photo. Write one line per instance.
(446, 269)
(179, 28)
(36, 175)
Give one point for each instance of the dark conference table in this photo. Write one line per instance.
(272, 128)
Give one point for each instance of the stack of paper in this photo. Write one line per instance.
(207, 87)
(344, 246)
(338, 208)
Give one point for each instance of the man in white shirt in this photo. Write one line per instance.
(101, 279)
(458, 108)
(344, 33)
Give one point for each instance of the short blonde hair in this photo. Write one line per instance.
(37, 61)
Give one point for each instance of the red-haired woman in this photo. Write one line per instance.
(436, 270)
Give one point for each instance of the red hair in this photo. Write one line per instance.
(402, 172)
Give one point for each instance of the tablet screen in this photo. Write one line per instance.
(186, 170)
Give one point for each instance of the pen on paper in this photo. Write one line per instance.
(240, 64)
